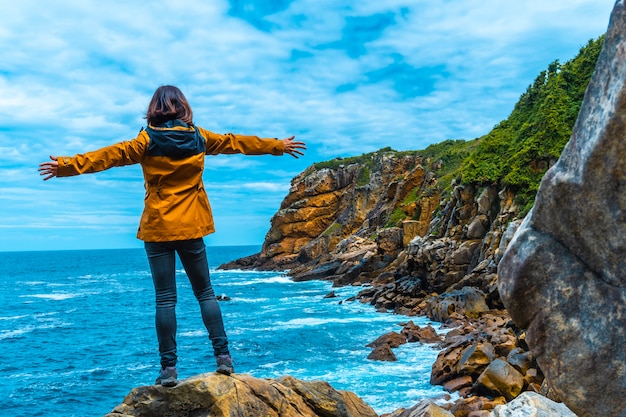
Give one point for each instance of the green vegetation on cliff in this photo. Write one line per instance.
(519, 150)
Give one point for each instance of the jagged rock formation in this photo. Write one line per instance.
(424, 242)
(564, 274)
(216, 395)
(441, 262)
(325, 206)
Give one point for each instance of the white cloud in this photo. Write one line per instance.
(347, 77)
(260, 186)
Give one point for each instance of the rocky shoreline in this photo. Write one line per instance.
(535, 302)
(384, 221)
(450, 276)
(452, 279)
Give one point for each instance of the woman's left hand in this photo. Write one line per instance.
(293, 147)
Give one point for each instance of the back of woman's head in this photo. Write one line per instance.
(168, 103)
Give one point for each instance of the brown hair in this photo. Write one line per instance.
(168, 103)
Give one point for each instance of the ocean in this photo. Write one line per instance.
(77, 332)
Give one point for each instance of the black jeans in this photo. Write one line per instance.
(162, 259)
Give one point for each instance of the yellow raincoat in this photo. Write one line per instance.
(176, 206)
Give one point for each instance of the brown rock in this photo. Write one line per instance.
(391, 339)
(457, 383)
(477, 229)
(475, 358)
(500, 378)
(444, 368)
(382, 353)
(465, 406)
(520, 360)
(464, 253)
(506, 344)
(414, 333)
(217, 395)
(533, 377)
(468, 301)
(389, 240)
(481, 413)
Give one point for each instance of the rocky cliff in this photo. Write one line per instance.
(425, 231)
(564, 275)
(382, 218)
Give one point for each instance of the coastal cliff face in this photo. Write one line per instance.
(329, 204)
(425, 231)
(438, 259)
(391, 222)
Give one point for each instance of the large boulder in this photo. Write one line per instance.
(500, 378)
(531, 404)
(563, 276)
(468, 301)
(242, 395)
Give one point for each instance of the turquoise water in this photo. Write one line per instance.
(77, 333)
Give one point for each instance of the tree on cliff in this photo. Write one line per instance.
(519, 150)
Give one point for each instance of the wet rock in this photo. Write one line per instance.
(520, 360)
(415, 333)
(382, 353)
(475, 358)
(457, 383)
(391, 339)
(445, 366)
(466, 406)
(468, 301)
(500, 378)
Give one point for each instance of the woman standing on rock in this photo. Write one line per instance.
(176, 213)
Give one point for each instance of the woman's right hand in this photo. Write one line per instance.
(49, 169)
(293, 147)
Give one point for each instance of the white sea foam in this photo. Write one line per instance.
(271, 365)
(276, 279)
(31, 283)
(11, 334)
(243, 272)
(249, 300)
(53, 296)
(49, 313)
(12, 317)
(312, 322)
(139, 367)
(193, 333)
(16, 333)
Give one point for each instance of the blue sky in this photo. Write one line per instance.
(346, 77)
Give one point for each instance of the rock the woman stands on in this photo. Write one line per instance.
(177, 214)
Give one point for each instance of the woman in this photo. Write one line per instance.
(176, 213)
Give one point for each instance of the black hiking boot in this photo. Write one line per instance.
(224, 364)
(167, 377)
